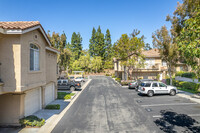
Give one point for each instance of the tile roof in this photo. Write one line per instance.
(19, 24)
(151, 53)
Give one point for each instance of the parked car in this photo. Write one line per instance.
(133, 85)
(139, 81)
(79, 79)
(154, 87)
(71, 77)
(66, 84)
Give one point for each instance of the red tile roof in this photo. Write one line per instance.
(19, 24)
(151, 53)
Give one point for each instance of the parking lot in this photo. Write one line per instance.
(169, 113)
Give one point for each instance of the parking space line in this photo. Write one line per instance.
(191, 115)
(172, 104)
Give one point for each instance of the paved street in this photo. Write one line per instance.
(106, 107)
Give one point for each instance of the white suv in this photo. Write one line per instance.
(154, 87)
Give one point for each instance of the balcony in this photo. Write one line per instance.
(155, 67)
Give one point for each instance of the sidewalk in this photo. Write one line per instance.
(190, 96)
(52, 117)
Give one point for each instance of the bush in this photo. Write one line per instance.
(189, 75)
(61, 95)
(53, 106)
(107, 74)
(124, 83)
(118, 80)
(186, 74)
(68, 96)
(32, 121)
(113, 76)
(179, 73)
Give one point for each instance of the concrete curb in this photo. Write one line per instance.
(190, 97)
(50, 124)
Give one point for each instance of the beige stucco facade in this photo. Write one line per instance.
(17, 79)
(157, 68)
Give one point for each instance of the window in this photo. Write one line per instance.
(34, 58)
(164, 63)
(155, 85)
(146, 84)
(162, 85)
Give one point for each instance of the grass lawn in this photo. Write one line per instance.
(189, 90)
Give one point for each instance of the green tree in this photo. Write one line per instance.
(189, 41)
(76, 45)
(108, 45)
(181, 14)
(147, 46)
(96, 63)
(92, 43)
(128, 50)
(167, 49)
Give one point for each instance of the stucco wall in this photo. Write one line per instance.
(11, 109)
(51, 64)
(9, 47)
(32, 79)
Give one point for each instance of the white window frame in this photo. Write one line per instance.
(35, 65)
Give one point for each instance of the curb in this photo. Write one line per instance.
(49, 126)
(190, 97)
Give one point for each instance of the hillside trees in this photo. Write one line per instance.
(59, 42)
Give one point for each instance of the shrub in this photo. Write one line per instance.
(189, 75)
(32, 121)
(61, 95)
(107, 74)
(68, 96)
(186, 74)
(118, 80)
(179, 73)
(124, 83)
(53, 106)
(113, 76)
(72, 94)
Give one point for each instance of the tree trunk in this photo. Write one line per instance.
(170, 74)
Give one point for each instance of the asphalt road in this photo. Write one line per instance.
(105, 107)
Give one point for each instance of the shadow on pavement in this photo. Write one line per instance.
(170, 119)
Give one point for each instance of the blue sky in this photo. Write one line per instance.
(119, 16)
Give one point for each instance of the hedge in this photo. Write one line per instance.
(32, 121)
(53, 106)
(186, 74)
(124, 83)
(184, 84)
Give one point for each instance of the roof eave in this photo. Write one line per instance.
(22, 31)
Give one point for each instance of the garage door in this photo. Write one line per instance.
(32, 101)
(49, 93)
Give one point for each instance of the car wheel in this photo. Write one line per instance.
(150, 93)
(72, 88)
(172, 93)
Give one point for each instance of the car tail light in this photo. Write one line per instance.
(78, 84)
(143, 89)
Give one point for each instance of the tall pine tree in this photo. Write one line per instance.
(76, 45)
(92, 43)
(108, 45)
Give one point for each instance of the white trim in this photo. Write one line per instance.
(14, 31)
(53, 50)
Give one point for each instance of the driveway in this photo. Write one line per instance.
(105, 107)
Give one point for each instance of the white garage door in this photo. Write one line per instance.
(32, 101)
(49, 93)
